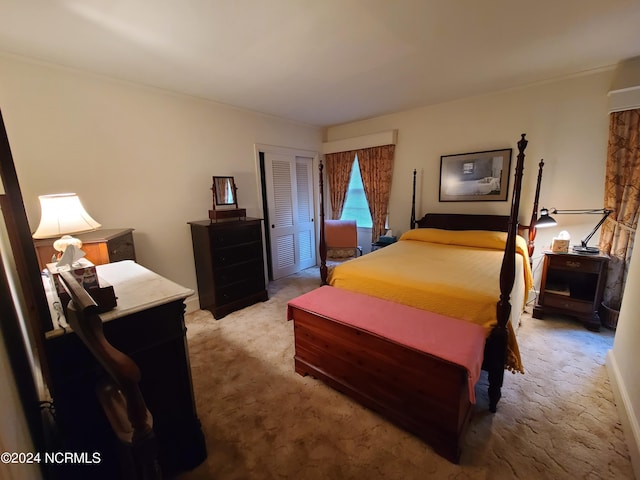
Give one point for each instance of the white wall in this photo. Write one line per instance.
(138, 157)
(622, 361)
(566, 123)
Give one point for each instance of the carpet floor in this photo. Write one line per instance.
(263, 421)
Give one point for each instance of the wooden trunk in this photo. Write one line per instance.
(417, 391)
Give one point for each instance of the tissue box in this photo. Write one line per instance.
(85, 273)
(560, 245)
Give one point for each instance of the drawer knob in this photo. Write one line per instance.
(571, 264)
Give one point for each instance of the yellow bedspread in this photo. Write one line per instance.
(454, 273)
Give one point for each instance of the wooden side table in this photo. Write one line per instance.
(381, 244)
(101, 246)
(572, 284)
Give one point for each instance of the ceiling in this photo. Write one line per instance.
(330, 61)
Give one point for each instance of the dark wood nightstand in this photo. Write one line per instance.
(381, 244)
(572, 284)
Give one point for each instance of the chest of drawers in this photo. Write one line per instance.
(229, 264)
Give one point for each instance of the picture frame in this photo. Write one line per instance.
(475, 177)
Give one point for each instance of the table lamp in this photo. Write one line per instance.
(61, 215)
(547, 220)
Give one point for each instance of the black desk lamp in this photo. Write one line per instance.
(546, 220)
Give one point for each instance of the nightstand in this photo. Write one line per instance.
(101, 246)
(382, 242)
(572, 284)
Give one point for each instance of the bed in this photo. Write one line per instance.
(448, 272)
(416, 271)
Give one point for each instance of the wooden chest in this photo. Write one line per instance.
(415, 389)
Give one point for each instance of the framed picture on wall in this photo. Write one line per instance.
(475, 177)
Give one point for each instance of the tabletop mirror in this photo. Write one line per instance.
(224, 191)
(225, 196)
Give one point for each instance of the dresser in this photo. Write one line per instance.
(101, 246)
(148, 325)
(572, 284)
(229, 263)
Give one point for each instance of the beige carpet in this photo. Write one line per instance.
(263, 421)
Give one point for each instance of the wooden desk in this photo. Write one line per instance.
(148, 325)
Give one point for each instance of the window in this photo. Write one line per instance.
(355, 205)
(468, 168)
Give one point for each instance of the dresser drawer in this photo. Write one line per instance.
(225, 237)
(239, 272)
(238, 290)
(575, 263)
(568, 303)
(232, 255)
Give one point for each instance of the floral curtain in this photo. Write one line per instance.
(338, 167)
(376, 167)
(622, 195)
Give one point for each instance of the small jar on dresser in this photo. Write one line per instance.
(229, 263)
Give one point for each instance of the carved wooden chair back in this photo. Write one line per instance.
(119, 392)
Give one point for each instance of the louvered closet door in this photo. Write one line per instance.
(290, 203)
(305, 231)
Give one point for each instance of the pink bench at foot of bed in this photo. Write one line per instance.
(416, 368)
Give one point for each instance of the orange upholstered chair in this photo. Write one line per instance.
(342, 238)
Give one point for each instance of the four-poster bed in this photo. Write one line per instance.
(499, 334)
(378, 331)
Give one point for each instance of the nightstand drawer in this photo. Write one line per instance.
(121, 248)
(568, 303)
(576, 263)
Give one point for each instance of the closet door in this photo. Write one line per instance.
(305, 226)
(289, 182)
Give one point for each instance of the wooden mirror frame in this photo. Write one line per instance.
(225, 213)
(229, 184)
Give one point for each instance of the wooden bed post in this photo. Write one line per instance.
(497, 342)
(534, 214)
(413, 202)
(323, 242)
